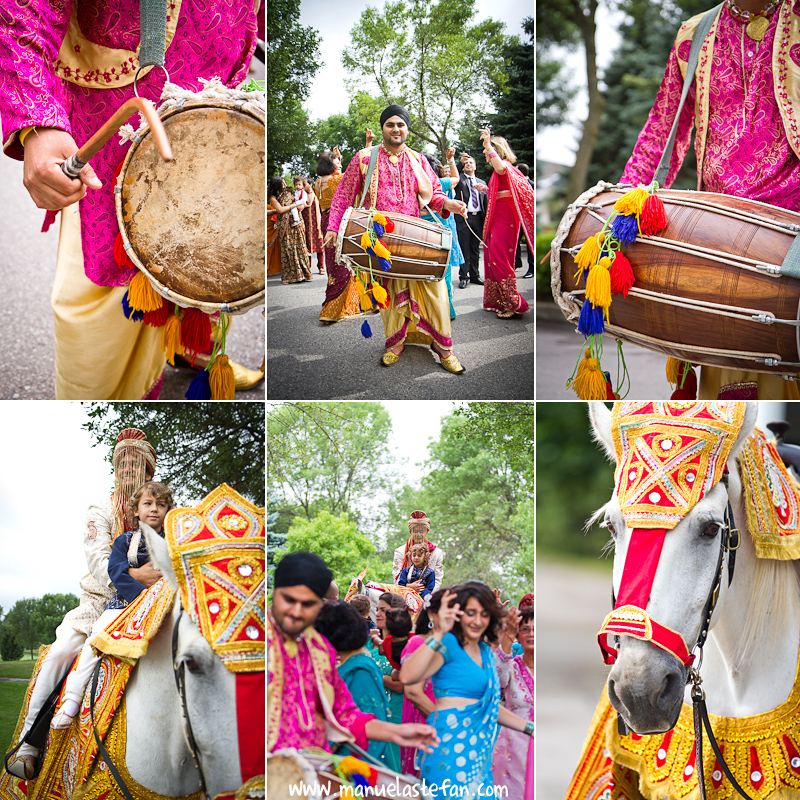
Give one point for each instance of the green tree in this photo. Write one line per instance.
(10, 648)
(515, 113)
(335, 538)
(49, 614)
(572, 23)
(293, 58)
(199, 445)
(331, 456)
(574, 479)
(472, 497)
(429, 54)
(275, 540)
(20, 622)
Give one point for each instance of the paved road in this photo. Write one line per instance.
(570, 605)
(309, 360)
(27, 267)
(558, 348)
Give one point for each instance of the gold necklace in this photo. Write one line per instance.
(393, 159)
(755, 24)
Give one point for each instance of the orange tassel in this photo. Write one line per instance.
(171, 338)
(589, 382)
(221, 379)
(141, 294)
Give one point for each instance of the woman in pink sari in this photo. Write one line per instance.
(510, 204)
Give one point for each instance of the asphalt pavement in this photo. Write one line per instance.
(307, 359)
(571, 602)
(559, 347)
(27, 268)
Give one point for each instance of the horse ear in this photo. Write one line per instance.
(159, 554)
(748, 426)
(600, 417)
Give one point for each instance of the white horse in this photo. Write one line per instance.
(158, 755)
(750, 657)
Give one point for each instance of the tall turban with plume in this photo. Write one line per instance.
(134, 463)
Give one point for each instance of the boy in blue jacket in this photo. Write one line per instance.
(418, 576)
(150, 504)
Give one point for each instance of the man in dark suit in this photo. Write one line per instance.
(470, 190)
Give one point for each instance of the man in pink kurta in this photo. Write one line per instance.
(419, 311)
(308, 703)
(747, 135)
(65, 67)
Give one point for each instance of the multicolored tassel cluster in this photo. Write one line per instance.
(359, 773)
(607, 272)
(371, 294)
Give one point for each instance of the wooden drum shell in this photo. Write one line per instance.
(420, 249)
(195, 226)
(684, 279)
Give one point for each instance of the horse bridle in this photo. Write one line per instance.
(730, 540)
(180, 683)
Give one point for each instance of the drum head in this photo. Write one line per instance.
(196, 224)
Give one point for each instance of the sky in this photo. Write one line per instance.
(49, 476)
(334, 21)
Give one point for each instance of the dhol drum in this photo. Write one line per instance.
(420, 249)
(708, 289)
(195, 226)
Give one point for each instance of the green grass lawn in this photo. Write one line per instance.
(12, 695)
(17, 669)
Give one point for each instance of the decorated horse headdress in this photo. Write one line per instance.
(669, 456)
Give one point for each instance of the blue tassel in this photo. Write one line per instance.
(133, 316)
(385, 265)
(625, 227)
(591, 321)
(372, 252)
(366, 331)
(379, 230)
(199, 388)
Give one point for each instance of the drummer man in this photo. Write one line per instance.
(746, 142)
(302, 664)
(402, 182)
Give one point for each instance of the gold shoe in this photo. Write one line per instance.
(23, 767)
(390, 358)
(246, 378)
(451, 363)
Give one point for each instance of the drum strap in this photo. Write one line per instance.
(694, 55)
(373, 160)
(153, 15)
(791, 263)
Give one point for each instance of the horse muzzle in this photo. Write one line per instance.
(646, 686)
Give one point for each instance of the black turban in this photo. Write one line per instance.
(303, 569)
(396, 111)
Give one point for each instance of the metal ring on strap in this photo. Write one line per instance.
(145, 66)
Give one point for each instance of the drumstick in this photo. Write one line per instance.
(76, 162)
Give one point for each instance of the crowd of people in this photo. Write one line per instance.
(445, 696)
(392, 178)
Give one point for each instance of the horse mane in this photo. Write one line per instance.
(775, 596)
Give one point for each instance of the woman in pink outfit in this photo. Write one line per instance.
(512, 765)
(510, 203)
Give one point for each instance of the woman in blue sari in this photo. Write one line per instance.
(460, 662)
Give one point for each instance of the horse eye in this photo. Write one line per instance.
(710, 530)
(610, 528)
(192, 665)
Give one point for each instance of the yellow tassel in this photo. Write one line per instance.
(365, 240)
(379, 293)
(364, 301)
(141, 295)
(598, 284)
(588, 254)
(673, 375)
(221, 380)
(380, 219)
(589, 382)
(171, 338)
(381, 251)
(631, 202)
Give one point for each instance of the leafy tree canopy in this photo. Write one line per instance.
(199, 445)
(330, 456)
(293, 58)
(429, 55)
(33, 621)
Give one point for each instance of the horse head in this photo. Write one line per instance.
(667, 520)
(214, 557)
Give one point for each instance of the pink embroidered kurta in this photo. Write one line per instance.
(418, 310)
(31, 32)
(747, 153)
(410, 712)
(302, 721)
(512, 764)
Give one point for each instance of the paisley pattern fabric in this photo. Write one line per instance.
(31, 32)
(742, 143)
